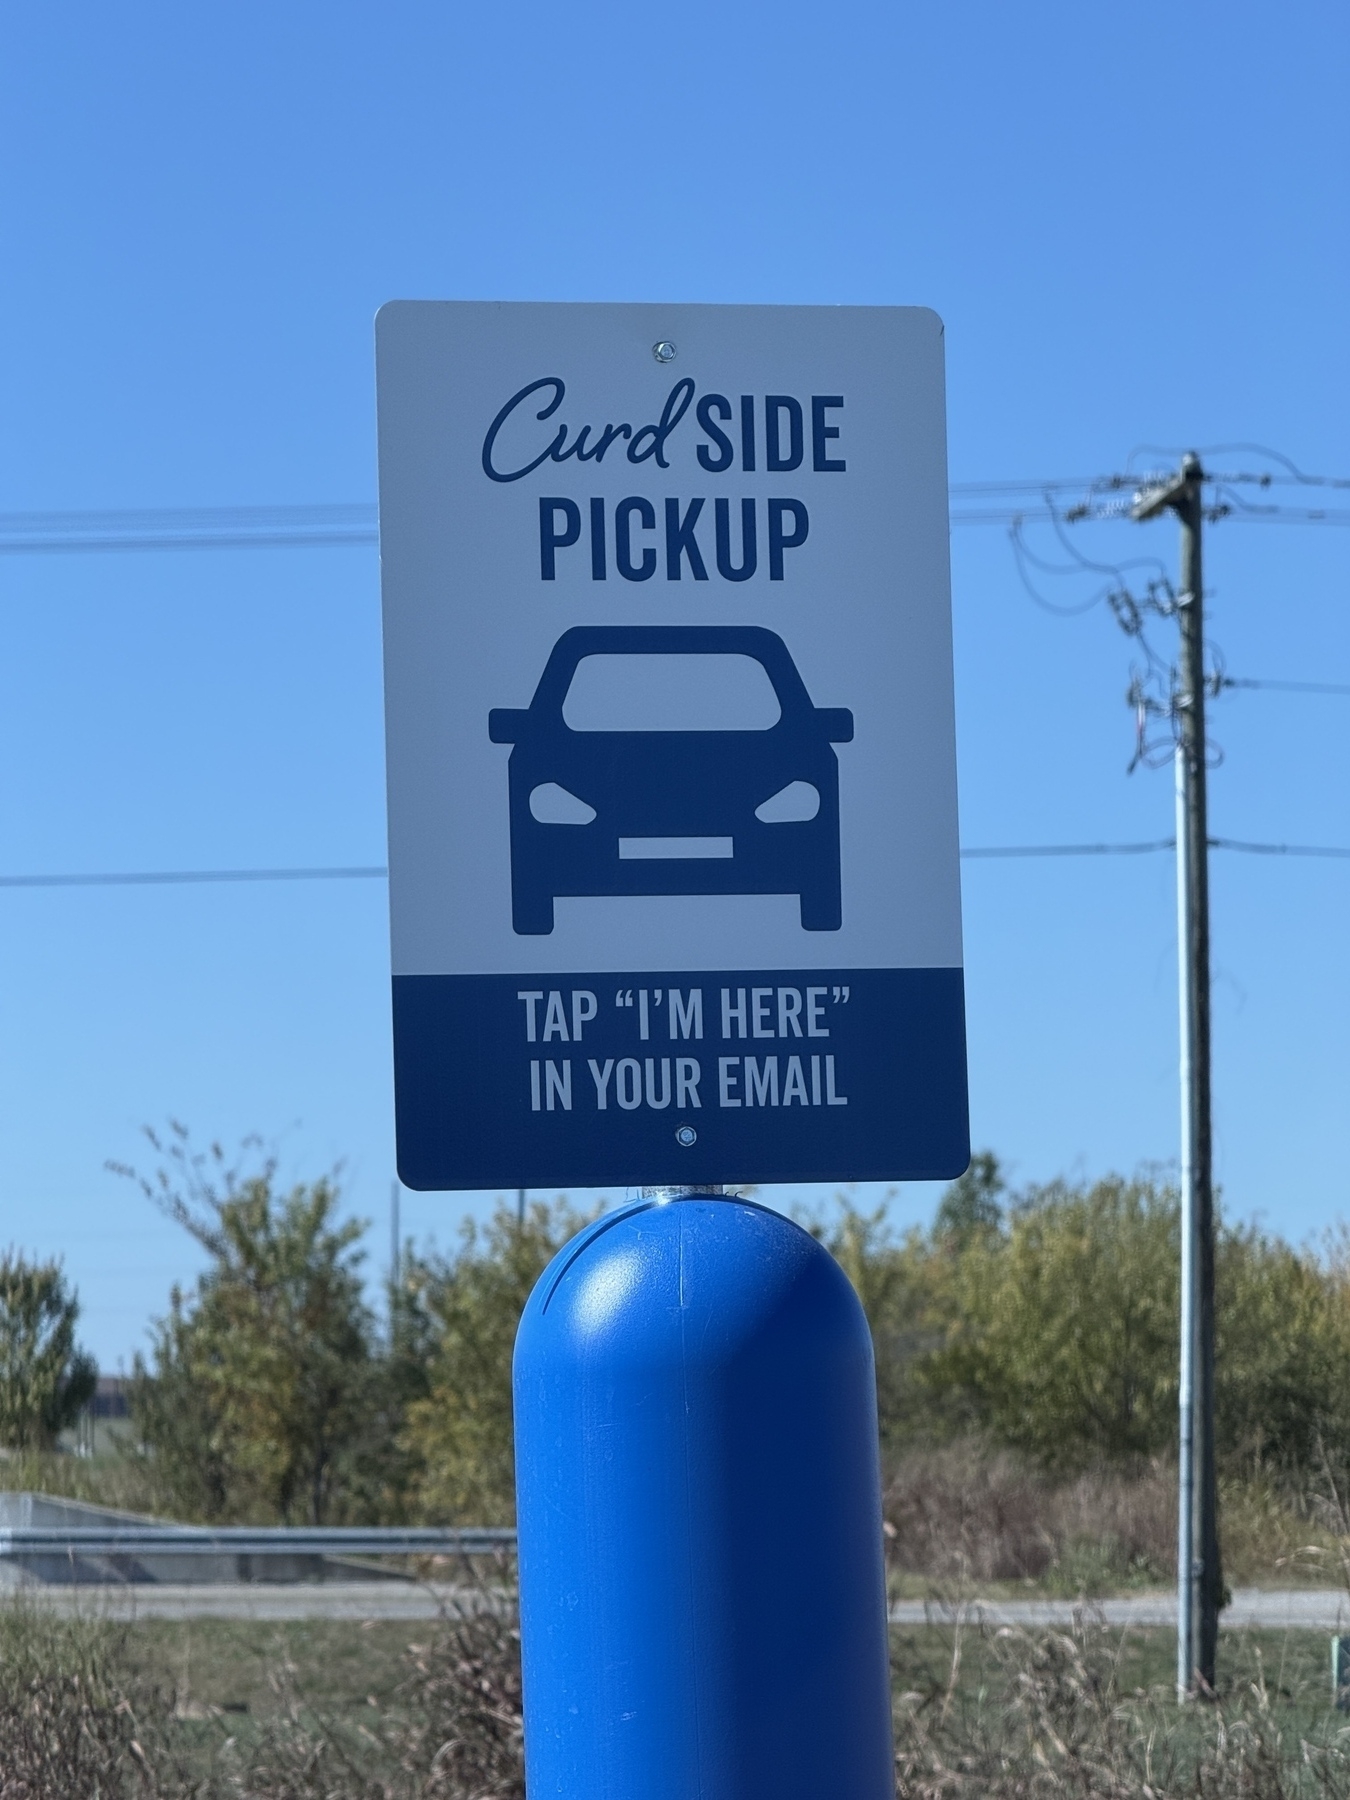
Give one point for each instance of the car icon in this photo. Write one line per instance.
(672, 759)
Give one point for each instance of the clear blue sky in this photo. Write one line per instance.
(1136, 228)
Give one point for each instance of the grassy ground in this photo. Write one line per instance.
(1001, 1715)
(230, 1666)
(329, 1710)
(96, 1710)
(224, 1687)
(1294, 1666)
(960, 1695)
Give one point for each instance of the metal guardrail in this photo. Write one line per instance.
(248, 1540)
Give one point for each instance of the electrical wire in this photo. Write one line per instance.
(1095, 514)
(1002, 515)
(1279, 849)
(1250, 511)
(281, 527)
(977, 852)
(348, 526)
(188, 528)
(356, 512)
(1289, 515)
(1148, 847)
(1115, 570)
(1286, 687)
(200, 540)
(378, 872)
(186, 877)
(1050, 485)
(1294, 476)
(1023, 555)
(1077, 564)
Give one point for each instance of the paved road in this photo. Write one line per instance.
(1310, 1609)
(264, 1600)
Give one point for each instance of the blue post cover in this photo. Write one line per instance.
(703, 1606)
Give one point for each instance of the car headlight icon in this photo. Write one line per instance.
(792, 805)
(553, 805)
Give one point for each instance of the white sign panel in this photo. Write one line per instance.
(672, 808)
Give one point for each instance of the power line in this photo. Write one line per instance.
(1286, 687)
(355, 524)
(189, 528)
(378, 872)
(355, 512)
(186, 877)
(197, 540)
(1154, 844)
(1075, 484)
(1091, 514)
(1293, 476)
(1229, 504)
(1141, 849)
(1278, 849)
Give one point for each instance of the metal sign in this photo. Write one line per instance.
(672, 789)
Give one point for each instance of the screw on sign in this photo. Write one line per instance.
(675, 904)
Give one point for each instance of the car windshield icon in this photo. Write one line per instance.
(672, 759)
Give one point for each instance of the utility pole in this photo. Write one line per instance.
(1199, 1574)
(520, 1208)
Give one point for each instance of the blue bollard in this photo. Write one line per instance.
(702, 1589)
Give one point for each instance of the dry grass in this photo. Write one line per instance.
(1055, 1715)
(975, 1518)
(451, 1732)
(960, 1514)
(66, 1730)
(79, 1720)
(980, 1715)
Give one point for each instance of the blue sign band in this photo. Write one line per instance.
(599, 1080)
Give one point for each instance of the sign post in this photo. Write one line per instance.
(675, 904)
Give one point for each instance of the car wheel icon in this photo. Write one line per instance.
(672, 759)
